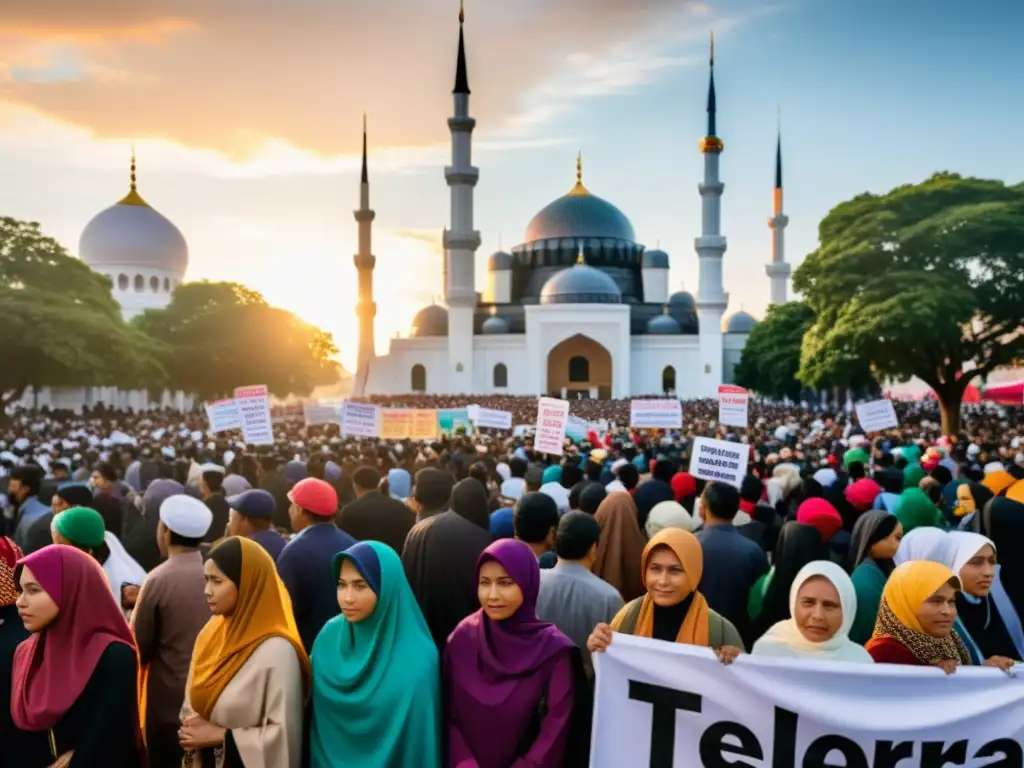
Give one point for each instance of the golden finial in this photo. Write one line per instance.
(579, 189)
(462, 12)
(133, 197)
(579, 256)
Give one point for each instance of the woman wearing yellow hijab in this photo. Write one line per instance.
(672, 609)
(245, 694)
(916, 618)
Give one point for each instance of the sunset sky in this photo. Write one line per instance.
(246, 116)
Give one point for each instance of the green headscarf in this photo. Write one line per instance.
(857, 454)
(552, 474)
(911, 453)
(376, 682)
(913, 474)
(82, 526)
(915, 510)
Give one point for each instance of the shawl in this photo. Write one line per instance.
(916, 510)
(376, 694)
(263, 610)
(785, 640)
(48, 677)
(908, 587)
(620, 550)
(821, 515)
(693, 626)
(10, 554)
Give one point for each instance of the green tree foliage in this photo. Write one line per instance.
(222, 336)
(921, 282)
(61, 327)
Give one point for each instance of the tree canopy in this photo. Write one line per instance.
(222, 335)
(61, 325)
(922, 281)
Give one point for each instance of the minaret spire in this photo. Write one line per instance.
(365, 177)
(366, 308)
(461, 73)
(579, 189)
(133, 197)
(711, 142)
(778, 269)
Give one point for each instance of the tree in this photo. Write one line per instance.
(770, 363)
(922, 281)
(222, 335)
(61, 327)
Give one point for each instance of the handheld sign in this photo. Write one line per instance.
(254, 410)
(656, 414)
(552, 419)
(877, 415)
(719, 461)
(733, 406)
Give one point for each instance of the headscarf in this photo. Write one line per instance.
(683, 484)
(916, 510)
(52, 667)
(855, 455)
(969, 497)
(922, 544)
(862, 494)
(998, 481)
(1002, 520)
(263, 610)
(821, 515)
(826, 477)
(687, 621)
(798, 545)
(913, 474)
(620, 550)
(551, 474)
(668, 514)
(785, 640)
(376, 687)
(469, 500)
(10, 554)
(871, 528)
(906, 590)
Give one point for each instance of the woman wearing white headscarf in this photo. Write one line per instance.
(823, 604)
(925, 543)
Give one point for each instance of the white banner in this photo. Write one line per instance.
(489, 418)
(719, 460)
(223, 415)
(655, 414)
(315, 413)
(877, 415)
(359, 419)
(733, 405)
(667, 705)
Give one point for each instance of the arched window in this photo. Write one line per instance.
(419, 378)
(579, 369)
(668, 379)
(167, 285)
(154, 284)
(140, 283)
(122, 282)
(500, 375)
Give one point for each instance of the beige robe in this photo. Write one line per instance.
(263, 706)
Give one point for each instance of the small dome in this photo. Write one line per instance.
(580, 284)
(655, 259)
(494, 325)
(499, 260)
(739, 322)
(431, 321)
(663, 325)
(681, 300)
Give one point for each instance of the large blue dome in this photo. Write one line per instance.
(430, 321)
(740, 322)
(580, 214)
(580, 284)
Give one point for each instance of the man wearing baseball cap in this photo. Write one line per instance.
(306, 563)
(250, 515)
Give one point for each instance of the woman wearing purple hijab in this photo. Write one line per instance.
(500, 662)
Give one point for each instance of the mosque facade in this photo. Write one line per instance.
(579, 309)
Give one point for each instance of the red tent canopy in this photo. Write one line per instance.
(1006, 394)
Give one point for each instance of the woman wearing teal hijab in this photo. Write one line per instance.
(376, 675)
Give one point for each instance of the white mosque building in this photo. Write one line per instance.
(579, 309)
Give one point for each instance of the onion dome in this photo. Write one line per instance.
(579, 214)
(739, 322)
(133, 234)
(494, 326)
(655, 259)
(663, 325)
(580, 284)
(681, 301)
(430, 321)
(499, 261)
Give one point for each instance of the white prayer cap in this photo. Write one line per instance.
(186, 516)
(210, 467)
(229, 456)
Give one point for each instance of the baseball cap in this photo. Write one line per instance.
(315, 496)
(253, 503)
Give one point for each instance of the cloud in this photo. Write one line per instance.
(253, 77)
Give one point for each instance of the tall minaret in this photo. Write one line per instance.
(366, 309)
(778, 269)
(710, 247)
(461, 240)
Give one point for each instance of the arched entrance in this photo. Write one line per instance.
(579, 367)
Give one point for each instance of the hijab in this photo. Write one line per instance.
(469, 500)
(376, 698)
(969, 497)
(908, 587)
(871, 528)
(620, 550)
(798, 545)
(785, 640)
(399, 483)
(821, 515)
(52, 667)
(862, 494)
(668, 514)
(263, 610)
(686, 621)
(10, 554)
(916, 510)
(922, 544)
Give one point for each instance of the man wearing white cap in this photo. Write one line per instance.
(170, 611)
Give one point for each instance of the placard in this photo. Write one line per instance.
(315, 413)
(359, 419)
(655, 414)
(223, 415)
(733, 406)
(424, 424)
(719, 460)
(552, 419)
(451, 420)
(254, 409)
(490, 418)
(877, 415)
(395, 423)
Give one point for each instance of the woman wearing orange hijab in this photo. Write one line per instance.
(672, 609)
(245, 693)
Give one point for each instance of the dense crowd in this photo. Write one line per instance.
(174, 597)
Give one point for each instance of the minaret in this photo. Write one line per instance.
(710, 246)
(778, 269)
(460, 239)
(366, 309)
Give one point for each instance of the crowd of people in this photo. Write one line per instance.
(173, 597)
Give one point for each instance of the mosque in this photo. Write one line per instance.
(579, 309)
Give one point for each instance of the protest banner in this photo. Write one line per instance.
(395, 423)
(719, 460)
(360, 419)
(552, 419)
(733, 406)
(489, 418)
(223, 415)
(314, 413)
(451, 420)
(669, 705)
(576, 429)
(254, 410)
(656, 414)
(424, 424)
(877, 415)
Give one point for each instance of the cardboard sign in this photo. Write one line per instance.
(552, 419)
(877, 415)
(223, 415)
(656, 414)
(733, 406)
(719, 460)
(254, 409)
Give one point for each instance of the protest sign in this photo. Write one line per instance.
(424, 424)
(733, 405)
(877, 415)
(359, 419)
(669, 705)
(552, 419)
(223, 415)
(655, 414)
(254, 409)
(451, 420)
(321, 413)
(395, 423)
(719, 460)
(490, 418)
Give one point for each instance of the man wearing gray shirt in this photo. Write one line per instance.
(571, 597)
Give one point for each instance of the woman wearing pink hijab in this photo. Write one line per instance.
(74, 678)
